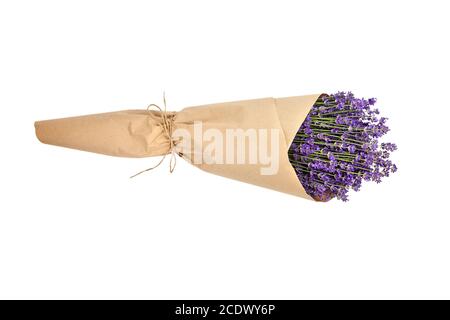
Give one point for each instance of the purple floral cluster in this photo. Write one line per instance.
(337, 147)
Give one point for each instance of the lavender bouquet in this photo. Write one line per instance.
(337, 147)
(255, 141)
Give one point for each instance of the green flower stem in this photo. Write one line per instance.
(340, 112)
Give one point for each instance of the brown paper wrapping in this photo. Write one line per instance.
(139, 133)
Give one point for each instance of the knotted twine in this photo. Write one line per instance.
(167, 123)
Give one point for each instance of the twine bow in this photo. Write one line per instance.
(167, 124)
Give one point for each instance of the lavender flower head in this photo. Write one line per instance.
(337, 147)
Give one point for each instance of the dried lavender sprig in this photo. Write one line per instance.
(336, 147)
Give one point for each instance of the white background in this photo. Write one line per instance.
(72, 225)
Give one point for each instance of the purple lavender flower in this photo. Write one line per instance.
(336, 147)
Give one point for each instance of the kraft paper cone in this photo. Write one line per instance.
(141, 133)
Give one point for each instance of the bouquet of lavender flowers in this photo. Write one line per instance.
(337, 147)
(255, 141)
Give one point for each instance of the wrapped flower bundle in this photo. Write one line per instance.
(317, 146)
